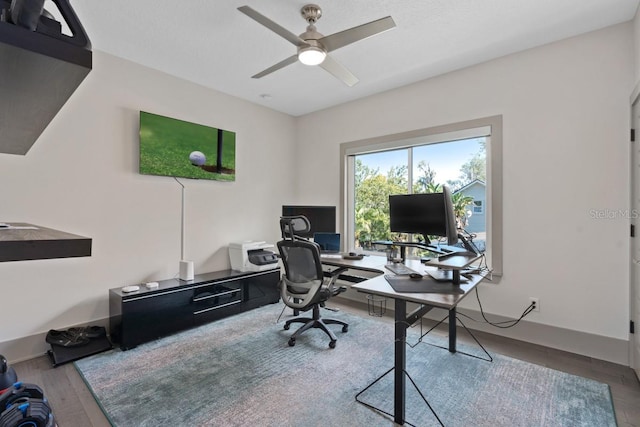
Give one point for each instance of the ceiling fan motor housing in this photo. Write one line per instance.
(311, 13)
(311, 36)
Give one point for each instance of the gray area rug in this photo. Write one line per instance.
(240, 372)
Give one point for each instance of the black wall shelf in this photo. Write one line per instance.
(21, 242)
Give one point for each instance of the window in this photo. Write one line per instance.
(465, 156)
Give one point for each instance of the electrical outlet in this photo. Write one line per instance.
(535, 302)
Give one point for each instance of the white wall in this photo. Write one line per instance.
(81, 177)
(565, 110)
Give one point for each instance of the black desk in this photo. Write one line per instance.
(380, 287)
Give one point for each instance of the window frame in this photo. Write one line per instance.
(478, 207)
(491, 127)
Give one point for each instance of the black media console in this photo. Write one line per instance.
(176, 305)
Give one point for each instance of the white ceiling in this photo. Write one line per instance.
(211, 43)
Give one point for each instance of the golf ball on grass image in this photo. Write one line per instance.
(197, 158)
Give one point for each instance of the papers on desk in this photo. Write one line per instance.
(404, 284)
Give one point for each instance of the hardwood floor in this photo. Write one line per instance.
(71, 401)
(74, 406)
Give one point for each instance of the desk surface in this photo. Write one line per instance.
(371, 263)
(379, 285)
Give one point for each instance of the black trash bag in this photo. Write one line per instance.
(75, 337)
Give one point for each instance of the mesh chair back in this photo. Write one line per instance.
(301, 260)
(292, 226)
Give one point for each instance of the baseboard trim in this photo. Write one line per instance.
(591, 345)
(586, 344)
(583, 343)
(32, 346)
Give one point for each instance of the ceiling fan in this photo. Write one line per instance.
(313, 47)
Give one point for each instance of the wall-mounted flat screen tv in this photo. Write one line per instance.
(172, 147)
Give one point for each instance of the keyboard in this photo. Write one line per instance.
(400, 269)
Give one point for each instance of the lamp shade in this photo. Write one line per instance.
(311, 55)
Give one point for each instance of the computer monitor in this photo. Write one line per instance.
(453, 235)
(328, 242)
(418, 214)
(452, 223)
(429, 214)
(321, 218)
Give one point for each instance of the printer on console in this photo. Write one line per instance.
(252, 256)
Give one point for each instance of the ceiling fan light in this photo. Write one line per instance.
(311, 55)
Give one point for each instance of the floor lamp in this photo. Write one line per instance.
(186, 267)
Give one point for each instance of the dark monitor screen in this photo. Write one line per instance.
(328, 242)
(321, 218)
(418, 213)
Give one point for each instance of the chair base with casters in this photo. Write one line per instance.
(315, 322)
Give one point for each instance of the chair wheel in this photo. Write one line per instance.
(287, 326)
(332, 344)
(345, 328)
(292, 342)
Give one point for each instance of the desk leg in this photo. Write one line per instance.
(400, 360)
(399, 369)
(452, 330)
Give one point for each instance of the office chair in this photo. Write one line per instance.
(304, 286)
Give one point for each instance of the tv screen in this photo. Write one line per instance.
(418, 214)
(321, 218)
(172, 147)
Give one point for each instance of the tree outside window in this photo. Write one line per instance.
(460, 164)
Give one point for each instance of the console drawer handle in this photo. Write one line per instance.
(215, 295)
(217, 307)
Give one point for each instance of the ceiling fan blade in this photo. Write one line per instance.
(281, 31)
(290, 60)
(340, 72)
(361, 32)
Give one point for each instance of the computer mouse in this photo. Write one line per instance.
(415, 276)
(353, 254)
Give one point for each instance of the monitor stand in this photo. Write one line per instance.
(441, 275)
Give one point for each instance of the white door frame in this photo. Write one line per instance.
(634, 267)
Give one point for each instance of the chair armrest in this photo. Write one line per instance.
(331, 281)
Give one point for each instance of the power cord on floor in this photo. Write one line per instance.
(504, 324)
